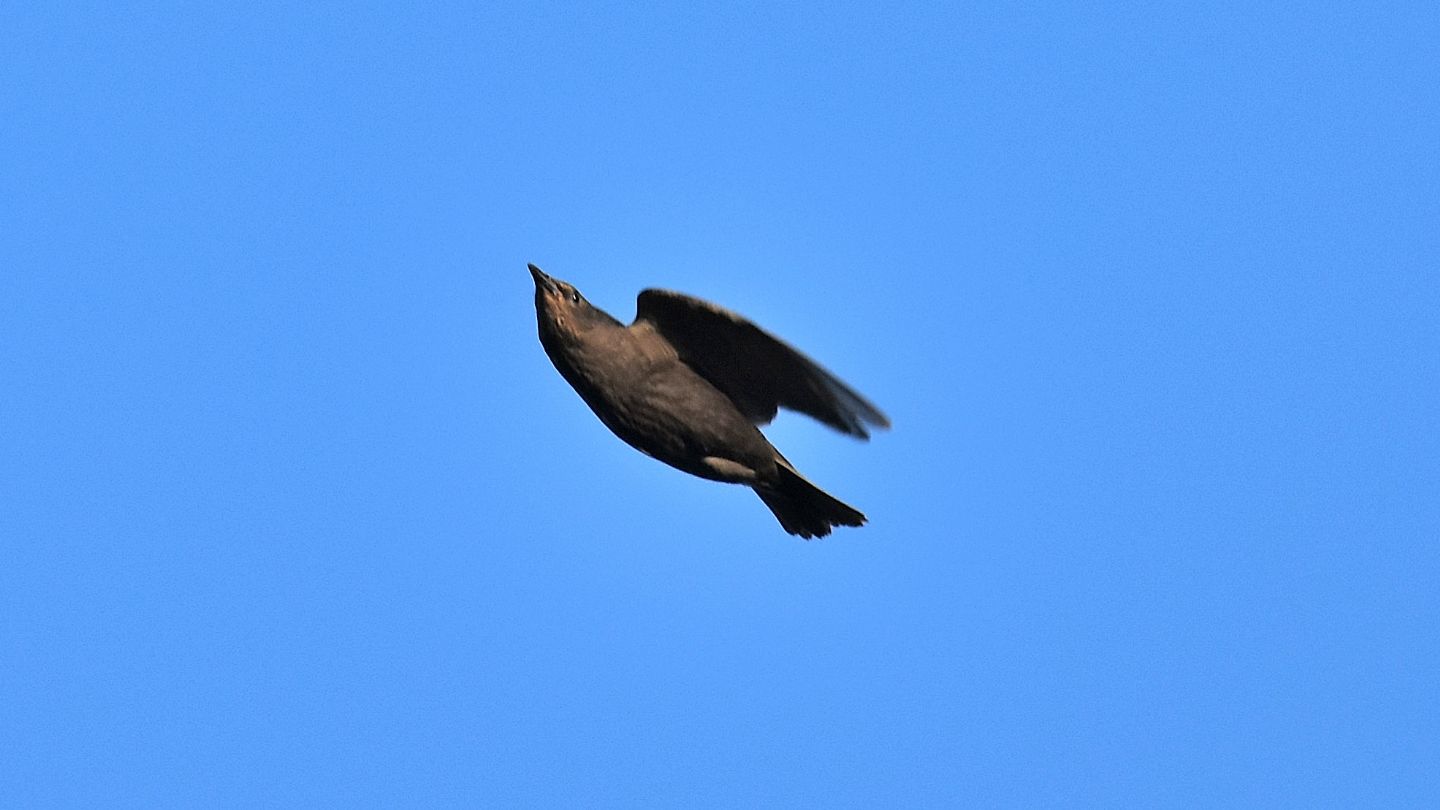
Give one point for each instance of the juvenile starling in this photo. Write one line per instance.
(687, 383)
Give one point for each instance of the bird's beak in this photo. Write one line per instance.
(542, 280)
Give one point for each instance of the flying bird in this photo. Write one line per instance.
(687, 382)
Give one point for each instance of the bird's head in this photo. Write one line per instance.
(560, 308)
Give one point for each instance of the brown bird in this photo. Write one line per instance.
(687, 383)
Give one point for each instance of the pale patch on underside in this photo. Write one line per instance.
(729, 470)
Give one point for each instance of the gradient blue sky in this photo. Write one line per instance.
(295, 511)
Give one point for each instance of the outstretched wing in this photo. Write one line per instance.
(754, 368)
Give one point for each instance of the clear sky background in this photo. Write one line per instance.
(295, 511)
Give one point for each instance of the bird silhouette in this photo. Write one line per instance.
(687, 382)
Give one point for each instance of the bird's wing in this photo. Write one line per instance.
(754, 368)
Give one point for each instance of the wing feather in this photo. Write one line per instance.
(757, 370)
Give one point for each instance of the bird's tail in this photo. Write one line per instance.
(805, 509)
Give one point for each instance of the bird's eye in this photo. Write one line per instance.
(575, 296)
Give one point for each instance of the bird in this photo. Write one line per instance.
(687, 383)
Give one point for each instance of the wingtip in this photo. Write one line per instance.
(860, 414)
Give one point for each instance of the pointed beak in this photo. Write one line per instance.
(542, 280)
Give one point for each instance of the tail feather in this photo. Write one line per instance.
(804, 509)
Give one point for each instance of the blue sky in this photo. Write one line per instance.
(295, 511)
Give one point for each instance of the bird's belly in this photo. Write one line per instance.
(676, 416)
